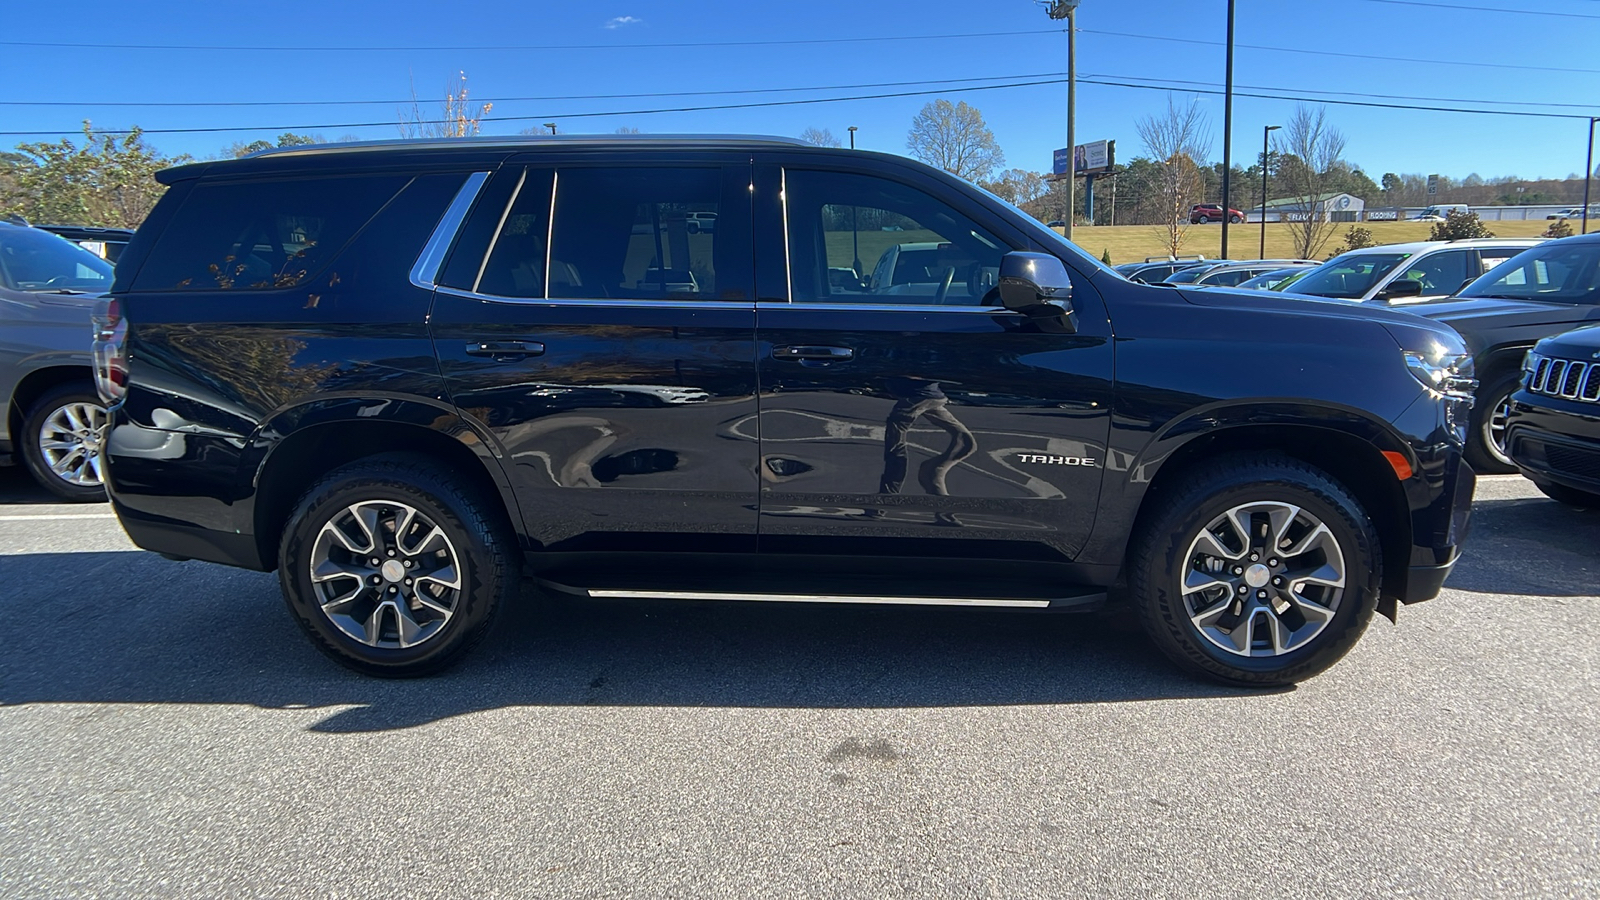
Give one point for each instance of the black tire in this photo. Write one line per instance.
(478, 535)
(1235, 220)
(1158, 562)
(1569, 496)
(33, 453)
(1485, 458)
(1203, 220)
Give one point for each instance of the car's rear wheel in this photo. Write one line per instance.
(1257, 570)
(1569, 496)
(396, 567)
(62, 436)
(1486, 443)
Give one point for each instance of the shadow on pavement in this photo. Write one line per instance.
(17, 487)
(135, 628)
(1529, 547)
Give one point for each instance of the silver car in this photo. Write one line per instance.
(54, 421)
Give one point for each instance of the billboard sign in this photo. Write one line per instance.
(1095, 158)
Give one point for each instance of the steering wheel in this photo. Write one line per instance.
(944, 286)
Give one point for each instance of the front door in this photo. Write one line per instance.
(600, 330)
(900, 406)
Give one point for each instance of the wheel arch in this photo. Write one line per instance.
(33, 385)
(299, 446)
(1351, 452)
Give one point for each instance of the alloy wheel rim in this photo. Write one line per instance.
(385, 574)
(70, 441)
(1263, 579)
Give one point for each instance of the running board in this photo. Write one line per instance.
(817, 598)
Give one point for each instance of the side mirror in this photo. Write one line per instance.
(1399, 290)
(1037, 285)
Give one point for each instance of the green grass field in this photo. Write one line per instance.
(1133, 243)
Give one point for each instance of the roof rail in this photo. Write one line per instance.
(525, 142)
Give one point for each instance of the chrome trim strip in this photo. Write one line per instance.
(549, 228)
(818, 598)
(1575, 373)
(426, 269)
(618, 304)
(783, 198)
(499, 226)
(890, 307)
(1558, 374)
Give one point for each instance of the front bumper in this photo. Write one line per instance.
(1439, 495)
(1555, 441)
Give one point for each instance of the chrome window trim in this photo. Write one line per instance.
(425, 271)
(888, 307)
(549, 229)
(494, 239)
(619, 303)
(783, 200)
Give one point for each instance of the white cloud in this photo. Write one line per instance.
(623, 22)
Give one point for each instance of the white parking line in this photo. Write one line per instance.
(51, 516)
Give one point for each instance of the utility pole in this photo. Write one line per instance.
(1227, 137)
(1588, 176)
(1266, 166)
(1067, 9)
(855, 232)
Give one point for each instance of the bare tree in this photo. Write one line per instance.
(1177, 139)
(820, 137)
(1017, 186)
(1318, 149)
(954, 138)
(627, 129)
(457, 116)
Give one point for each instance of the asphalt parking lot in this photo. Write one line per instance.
(167, 731)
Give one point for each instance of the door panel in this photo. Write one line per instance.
(624, 406)
(897, 408)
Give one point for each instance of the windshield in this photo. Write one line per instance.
(1559, 271)
(1273, 279)
(33, 260)
(1348, 277)
(1186, 276)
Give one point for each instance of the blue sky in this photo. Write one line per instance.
(1028, 121)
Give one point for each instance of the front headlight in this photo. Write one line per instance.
(1444, 371)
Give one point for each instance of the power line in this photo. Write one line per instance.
(789, 90)
(1454, 7)
(526, 47)
(1260, 94)
(1386, 59)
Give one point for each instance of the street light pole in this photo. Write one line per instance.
(551, 126)
(1588, 175)
(852, 130)
(1266, 157)
(1067, 9)
(1227, 138)
(855, 232)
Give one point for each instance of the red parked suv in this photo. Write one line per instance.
(1212, 212)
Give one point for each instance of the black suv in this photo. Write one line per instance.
(1539, 292)
(403, 374)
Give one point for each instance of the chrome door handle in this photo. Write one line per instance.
(814, 353)
(505, 349)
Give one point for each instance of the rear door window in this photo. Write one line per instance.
(263, 234)
(659, 233)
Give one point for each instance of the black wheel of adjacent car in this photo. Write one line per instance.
(396, 567)
(1486, 443)
(62, 434)
(1569, 496)
(1256, 570)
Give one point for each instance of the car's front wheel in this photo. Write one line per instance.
(1203, 220)
(62, 434)
(396, 567)
(1486, 443)
(1256, 570)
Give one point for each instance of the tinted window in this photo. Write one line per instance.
(862, 239)
(263, 234)
(1439, 273)
(501, 249)
(33, 260)
(1561, 271)
(660, 233)
(1349, 276)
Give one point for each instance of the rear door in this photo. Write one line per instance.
(606, 347)
(901, 414)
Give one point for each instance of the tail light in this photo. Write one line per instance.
(110, 354)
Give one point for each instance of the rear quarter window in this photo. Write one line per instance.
(263, 234)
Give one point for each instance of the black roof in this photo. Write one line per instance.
(442, 150)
